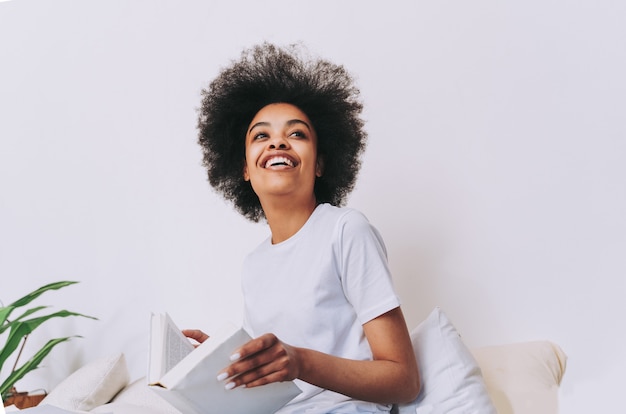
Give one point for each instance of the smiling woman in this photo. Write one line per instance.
(266, 74)
(281, 160)
(282, 137)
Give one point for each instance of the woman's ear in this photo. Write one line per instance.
(319, 168)
(246, 176)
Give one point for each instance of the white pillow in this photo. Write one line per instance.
(90, 386)
(451, 380)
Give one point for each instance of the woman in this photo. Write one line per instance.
(282, 137)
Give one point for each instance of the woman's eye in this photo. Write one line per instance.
(298, 134)
(260, 135)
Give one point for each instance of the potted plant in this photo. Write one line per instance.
(19, 328)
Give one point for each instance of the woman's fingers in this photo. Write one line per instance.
(270, 377)
(261, 361)
(195, 334)
(256, 346)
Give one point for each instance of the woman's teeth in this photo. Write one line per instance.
(278, 161)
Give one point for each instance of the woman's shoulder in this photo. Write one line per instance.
(344, 219)
(341, 213)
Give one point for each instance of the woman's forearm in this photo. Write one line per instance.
(380, 381)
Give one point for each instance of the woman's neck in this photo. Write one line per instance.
(286, 218)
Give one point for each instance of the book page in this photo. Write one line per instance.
(177, 346)
(168, 346)
(204, 352)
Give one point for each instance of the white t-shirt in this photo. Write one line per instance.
(316, 290)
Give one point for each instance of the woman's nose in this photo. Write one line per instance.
(278, 142)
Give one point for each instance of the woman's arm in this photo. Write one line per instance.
(392, 376)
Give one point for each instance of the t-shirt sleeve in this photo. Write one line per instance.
(363, 267)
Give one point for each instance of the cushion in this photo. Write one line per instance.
(451, 379)
(137, 398)
(90, 386)
(123, 408)
(523, 378)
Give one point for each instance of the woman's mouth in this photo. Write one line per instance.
(279, 161)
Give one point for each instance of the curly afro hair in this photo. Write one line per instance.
(267, 74)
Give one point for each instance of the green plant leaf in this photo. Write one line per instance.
(4, 314)
(29, 365)
(29, 312)
(6, 311)
(35, 294)
(20, 329)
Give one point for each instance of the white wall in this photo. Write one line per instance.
(494, 170)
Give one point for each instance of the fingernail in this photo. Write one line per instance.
(230, 386)
(222, 376)
(235, 356)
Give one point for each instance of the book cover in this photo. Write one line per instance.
(191, 384)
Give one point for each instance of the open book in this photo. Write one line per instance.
(186, 377)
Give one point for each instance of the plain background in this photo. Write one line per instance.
(495, 167)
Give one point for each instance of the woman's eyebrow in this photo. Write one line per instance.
(288, 123)
(258, 124)
(298, 121)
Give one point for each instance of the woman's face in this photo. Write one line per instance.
(281, 152)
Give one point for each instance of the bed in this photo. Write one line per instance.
(517, 378)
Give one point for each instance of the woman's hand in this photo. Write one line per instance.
(195, 334)
(261, 361)
(391, 377)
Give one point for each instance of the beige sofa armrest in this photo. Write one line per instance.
(523, 378)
